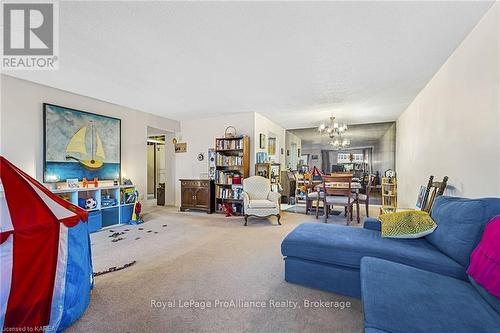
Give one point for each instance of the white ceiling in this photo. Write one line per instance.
(294, 62)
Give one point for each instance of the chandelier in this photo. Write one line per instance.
(340, 143)
(333, 128)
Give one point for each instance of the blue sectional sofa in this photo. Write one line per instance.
(401, 298)
(404, 283)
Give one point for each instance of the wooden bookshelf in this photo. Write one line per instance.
(232, 165)
(389, 195)
(271, 171)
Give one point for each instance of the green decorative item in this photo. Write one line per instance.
(407, 224)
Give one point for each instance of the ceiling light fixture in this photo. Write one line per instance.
(333, 128)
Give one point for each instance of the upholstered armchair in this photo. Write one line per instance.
(259, 200)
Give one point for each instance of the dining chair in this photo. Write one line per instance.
(365, 197)
(337, 191)
(312, 193)
(433, 190)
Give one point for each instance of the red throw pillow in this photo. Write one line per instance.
(484, 265)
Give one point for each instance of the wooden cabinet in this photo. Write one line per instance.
(197, 194)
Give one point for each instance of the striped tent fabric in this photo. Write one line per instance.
(45, 258)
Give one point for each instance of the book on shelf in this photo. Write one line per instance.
(229, 193)
(228, 177)
(225, 160)
(225, 144)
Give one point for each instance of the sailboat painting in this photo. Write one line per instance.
(80, 144)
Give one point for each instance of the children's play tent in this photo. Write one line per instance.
(45, 259)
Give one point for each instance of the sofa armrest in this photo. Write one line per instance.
(372, 224)
(246, 199)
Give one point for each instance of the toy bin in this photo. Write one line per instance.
(126, 213)
(110, 216)
(95, 221)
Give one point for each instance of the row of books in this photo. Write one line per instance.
(229, 144)
(223, 160)
(229, 193)
(228, 178)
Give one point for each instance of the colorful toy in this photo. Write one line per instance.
(136, 214)
(81, 203)
(46, 263)
(228, 209)
(90, 203)
(86, 182)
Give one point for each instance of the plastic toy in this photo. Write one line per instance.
(90, 203)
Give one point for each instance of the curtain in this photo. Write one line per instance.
(325, 161)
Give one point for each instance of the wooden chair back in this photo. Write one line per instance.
(433, 190)
(338, 191)
(369, 186)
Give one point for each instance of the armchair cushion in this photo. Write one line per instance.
(262, 204)
(257, 187)
(274, 196)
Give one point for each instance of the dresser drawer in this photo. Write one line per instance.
(195, 183)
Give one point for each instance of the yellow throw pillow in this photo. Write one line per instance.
(407, 224)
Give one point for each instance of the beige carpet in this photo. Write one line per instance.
(206, 258)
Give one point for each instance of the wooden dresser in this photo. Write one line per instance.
(197, 194)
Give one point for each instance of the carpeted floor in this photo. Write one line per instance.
(208, 258)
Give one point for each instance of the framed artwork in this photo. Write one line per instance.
(421, 196)
(271, 146)
(314, 157)
(80, 144)
(181, 147)
(262, 141)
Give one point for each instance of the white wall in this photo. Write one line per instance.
(264, 125)
(452, 126)
(21, 126)
(200, 134)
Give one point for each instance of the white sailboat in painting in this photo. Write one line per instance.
(78, 145)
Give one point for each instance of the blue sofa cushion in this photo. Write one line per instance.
(346, 245)
(460, 225)
(400, 298)
(490, 298)
(372, 223)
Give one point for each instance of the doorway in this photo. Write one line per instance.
(156, 164)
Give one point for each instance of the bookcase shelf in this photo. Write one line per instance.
(102, 215)
(232, 157)
(389, 195)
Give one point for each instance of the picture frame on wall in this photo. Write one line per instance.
(262, 141)
(271, 146)
(79, 144)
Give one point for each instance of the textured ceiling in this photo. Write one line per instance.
(294, 62)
